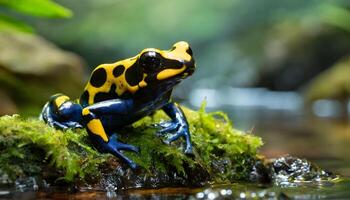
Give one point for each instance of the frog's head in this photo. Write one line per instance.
(167, 65)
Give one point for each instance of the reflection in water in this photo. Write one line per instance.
(246, 191)
(324, 190)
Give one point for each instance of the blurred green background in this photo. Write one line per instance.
(280, 67)
(232, 39)
(236, 43)
(278, 45)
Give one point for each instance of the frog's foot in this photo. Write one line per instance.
(178, 129)
(57, 125)
(114, 147)
(166, 127)
(64, 125)
(61, 114)
(73, 124)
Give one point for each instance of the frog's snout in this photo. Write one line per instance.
(190, 67)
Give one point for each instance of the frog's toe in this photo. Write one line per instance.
(173, 138)
(122, 146)
(189, 150)
(181, 131)
(133, 165)
(73, 124)
(57, 125)
(114, 147)
(164, 124)
(128, 147)
(167, 127)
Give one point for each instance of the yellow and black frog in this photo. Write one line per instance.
(121, 93)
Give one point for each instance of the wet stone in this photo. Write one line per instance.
(292, 171)
(260, 173)
(124, 178)
(26, 184)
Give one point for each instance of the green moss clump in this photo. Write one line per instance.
(215, 142)
(28, 147)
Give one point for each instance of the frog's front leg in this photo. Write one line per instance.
(100, 131)
(178, 124)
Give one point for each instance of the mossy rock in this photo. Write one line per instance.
(29, 147)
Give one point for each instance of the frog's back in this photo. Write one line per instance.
(112, 81)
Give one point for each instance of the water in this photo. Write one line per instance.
(338, 190)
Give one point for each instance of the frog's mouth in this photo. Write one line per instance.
(187, 69)
(191, 67)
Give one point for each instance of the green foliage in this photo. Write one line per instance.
(38, 8)
(72, 156)
(336, 15)
(10, 24)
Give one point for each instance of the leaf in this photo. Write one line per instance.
(40, 8)
(336, 16)
(10, 25)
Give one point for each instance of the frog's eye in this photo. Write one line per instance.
(150, 61)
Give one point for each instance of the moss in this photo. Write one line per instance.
(28, 147)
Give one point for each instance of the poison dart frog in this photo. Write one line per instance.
(123, 92)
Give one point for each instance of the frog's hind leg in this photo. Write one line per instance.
(110, 145)
(114, 147)
(102, 141)
(61, 113)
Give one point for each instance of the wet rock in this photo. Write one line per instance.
(26, 184)
(291, 171)
(32, 69)
(124, 178)
(259, 172)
